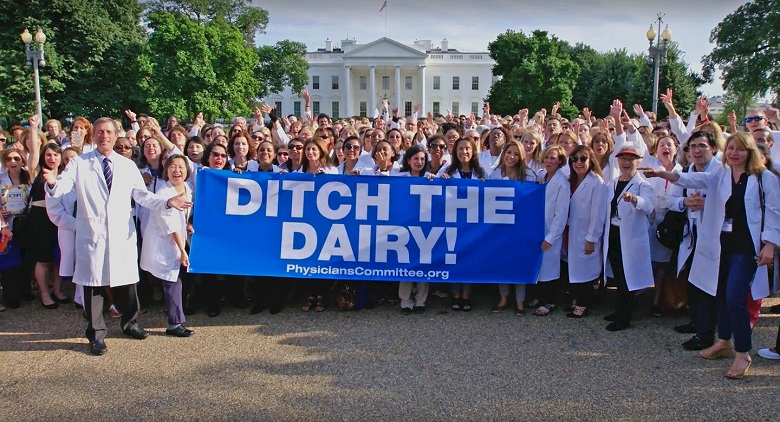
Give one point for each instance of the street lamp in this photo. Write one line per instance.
(35, 59)
(657, 53)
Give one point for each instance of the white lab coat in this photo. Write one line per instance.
(488, 161)
(159, 254)
(61, 213)
(556, 214)
(634, 224)
(586, 224)
(704, 271)
(106, 248)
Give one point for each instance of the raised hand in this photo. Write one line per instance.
(702, 107)
(616, 109)
(35, 121)
(416, 108)
(265, 108)
(305, 95)
(638, 110)
(555, 108)
(666, 99)
(130, 115)
(586, 113)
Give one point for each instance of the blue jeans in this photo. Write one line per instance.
(734, 280)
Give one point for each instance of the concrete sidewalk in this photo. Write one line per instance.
(375, 365)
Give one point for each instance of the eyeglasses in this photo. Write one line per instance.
(754, 119)
(580, 158)
(13, 158)
(697, 146)
(436, 146)
(218, 155)
(296, 147)
(352, 146)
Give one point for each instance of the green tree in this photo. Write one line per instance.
(591, 63)
(281, 65)
(190, 67)
(738, 103)
(240, 13)
(747, 49)
(536, 71)
(89, 46)
(612, 78)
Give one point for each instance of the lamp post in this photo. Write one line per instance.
(657, 53)
(35, 59)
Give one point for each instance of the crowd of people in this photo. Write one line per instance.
(104, 206)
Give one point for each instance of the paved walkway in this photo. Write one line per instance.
(374, 365)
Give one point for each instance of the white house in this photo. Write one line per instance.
(354, 79)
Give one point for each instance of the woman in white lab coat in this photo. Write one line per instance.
(629, 200)
(582, 243)
(512, 167)
(465, 165)
(556, 215)
(739, 233)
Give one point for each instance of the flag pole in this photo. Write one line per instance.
(386, 30)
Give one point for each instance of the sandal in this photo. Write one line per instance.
(320, 306)
(519, 311)
(312, 302)
(456, 304)
(577, 312)
(466, 306)
(543, 310)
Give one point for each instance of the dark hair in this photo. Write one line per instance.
(142, 161)
(250, 150)
(168, 163)
(594, 164)
(42, 159)
(393, 159)
(412, 151)
(207, 153)
(473, 163)
(446, 127)
(767, 158)
(194, 140)
(702, 134)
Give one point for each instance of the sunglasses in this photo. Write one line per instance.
(518, 137)
(283, 153)
(296, 147)
(754, 119)
(218, 155)
(13, 159)
(436, 146)
(352, 146)
(580, 158)
(257, 137)
(3, 139)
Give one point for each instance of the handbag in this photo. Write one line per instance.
(671, 229)
(21, 230)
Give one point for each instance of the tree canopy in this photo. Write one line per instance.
(747, 49)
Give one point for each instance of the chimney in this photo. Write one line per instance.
(445, 45)
(328, 45)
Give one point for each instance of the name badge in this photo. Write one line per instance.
(728, 225)
(615, 221)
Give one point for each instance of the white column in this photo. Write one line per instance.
(347, 92)
(398, 90)
(371, 91)
(422, 91)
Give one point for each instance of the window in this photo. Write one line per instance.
(334, 109)
(279, 108)
(408, 108)
(475, 108)
(475, 83)
(315, 82)
(297, 109)
(385, 82)
(455, 108)
(456, 82)
(408, 83)
(334, 82)
(315, 108)
(363, 109)
(437, 82)
(436, 107)
(362, 83)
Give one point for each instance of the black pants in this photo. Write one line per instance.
(271, 292)
(16, 282)
(624, 296)
(702, 308)
(126, 301)
(582, 293)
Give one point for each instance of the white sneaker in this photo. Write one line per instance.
(440, 294)
(769, 354)
(2, 308)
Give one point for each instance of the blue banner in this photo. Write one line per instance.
(367, 227)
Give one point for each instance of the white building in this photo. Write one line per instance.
(354, 79)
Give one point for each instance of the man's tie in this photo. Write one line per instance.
(107, 172)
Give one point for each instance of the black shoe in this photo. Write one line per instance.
(686, 328)
(13, 304)
(611, 317)
(695, 343)
(457, 304)
(54, 305)
(419, 309)
(180, 331)
(618, 326)
(466, 306)
(656, 311)
(189, 311)
(136, 332)
(406, 311)
(275, 309)
(62, 301)
(97, 347)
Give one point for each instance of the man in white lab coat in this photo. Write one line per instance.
(106, 251)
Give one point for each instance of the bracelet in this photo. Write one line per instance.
(4, 226)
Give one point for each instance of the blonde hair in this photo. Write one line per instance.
(755, 160)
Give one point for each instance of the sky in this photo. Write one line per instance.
(605, 25)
